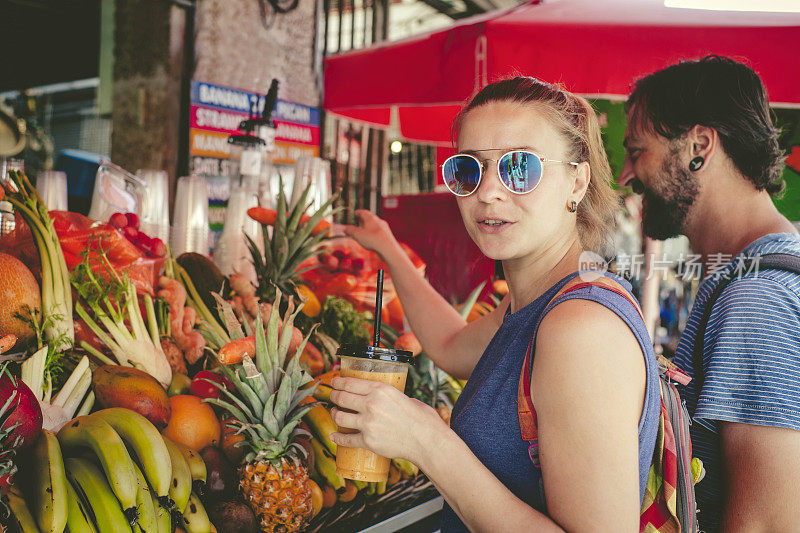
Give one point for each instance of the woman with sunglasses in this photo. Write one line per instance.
(533, 186)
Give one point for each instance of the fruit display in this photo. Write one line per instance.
(146, 393)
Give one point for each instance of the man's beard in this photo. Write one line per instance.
(666, 209)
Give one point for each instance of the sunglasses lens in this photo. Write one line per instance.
(520, 171)
(461, 174)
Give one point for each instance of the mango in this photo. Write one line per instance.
(134, 389)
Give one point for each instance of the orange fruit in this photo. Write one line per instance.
(193, 422)
(234, 453)
(316, 497)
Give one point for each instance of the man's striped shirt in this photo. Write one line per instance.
(751, 357)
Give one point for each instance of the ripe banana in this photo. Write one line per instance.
(48, 484)
(163, 518)
(100, 437)
(78, 517)
(147, 522)
(180, 488)
(196, 518)
(322, 425)
(325, 464)
(21, 516)
(95, 494)
(146, 442)
(197, 467)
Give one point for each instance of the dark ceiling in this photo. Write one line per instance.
(48, 41)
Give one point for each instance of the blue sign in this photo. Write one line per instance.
(231, 99)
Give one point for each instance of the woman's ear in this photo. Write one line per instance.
(583, 175)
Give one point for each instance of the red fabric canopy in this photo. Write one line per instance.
(593, 47)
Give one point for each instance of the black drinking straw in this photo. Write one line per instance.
(376, 341)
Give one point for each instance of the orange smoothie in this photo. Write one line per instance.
(358, 463)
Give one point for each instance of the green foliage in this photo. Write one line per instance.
(340, 320)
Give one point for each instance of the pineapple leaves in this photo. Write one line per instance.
(269, 419)
(286, 332)
(278, 228)
(272, 334)
(308, 227)
(297, 212)
(244, 389)
(231, 322)
(284, 397)
(262, 356)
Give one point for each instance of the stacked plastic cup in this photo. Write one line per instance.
(315, 172)
(52, 187)
(190, 221)
(154, 218)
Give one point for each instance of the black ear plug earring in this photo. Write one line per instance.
(696, 163)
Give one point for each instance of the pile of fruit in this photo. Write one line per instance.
(141, 392)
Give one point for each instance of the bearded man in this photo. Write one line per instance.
(702, 149)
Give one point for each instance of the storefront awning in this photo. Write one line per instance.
(593, 47)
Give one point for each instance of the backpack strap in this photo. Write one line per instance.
(525, 409)
(787, 262)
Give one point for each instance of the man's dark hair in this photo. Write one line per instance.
(719, 93)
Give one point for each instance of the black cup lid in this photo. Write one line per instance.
(371, 352)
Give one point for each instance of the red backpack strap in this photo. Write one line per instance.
(525, 410)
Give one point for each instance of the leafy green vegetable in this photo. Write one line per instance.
(343, 323)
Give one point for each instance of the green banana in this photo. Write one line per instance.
(180, 488)
(147, 522)
(195, 517)
(325, 464)
(360, 485)
(197, 467)
(163, 518)
(78, 518)
(48, 484)
(21, 516)
(407, 467)
(380, 487)
(96, 496)
(100, 437)
(146, 442)
(322, 425)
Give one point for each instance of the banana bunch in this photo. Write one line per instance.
(98, 486)
(324, 473)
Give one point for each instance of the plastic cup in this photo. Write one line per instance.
(190, 228)
(154, 217)
(385, 365)
(52, 187)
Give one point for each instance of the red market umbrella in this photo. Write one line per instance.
(594, 47)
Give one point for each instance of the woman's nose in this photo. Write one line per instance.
(490, 188)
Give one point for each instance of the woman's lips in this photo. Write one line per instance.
(493, 225)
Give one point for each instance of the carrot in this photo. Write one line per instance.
(262, 215)
(321, 227)
(268, 217)
(234, 351)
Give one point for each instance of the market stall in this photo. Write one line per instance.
(145, 391)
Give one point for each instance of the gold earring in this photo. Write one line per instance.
(572, 206)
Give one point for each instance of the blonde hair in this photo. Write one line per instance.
(575, 118)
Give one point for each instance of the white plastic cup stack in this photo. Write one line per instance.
(52, 187)
(154, 217)
(316, 172)
(231, 253)
(190, 222)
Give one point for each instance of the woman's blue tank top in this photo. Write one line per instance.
(485, 415)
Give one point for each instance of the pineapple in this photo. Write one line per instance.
(267, 405)
(295, 237)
